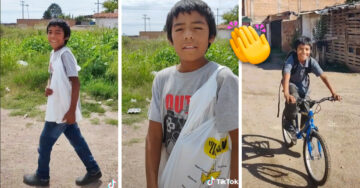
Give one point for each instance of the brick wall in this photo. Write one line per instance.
(152, 34)
(258, 10)
(288, 29)
(38, 22)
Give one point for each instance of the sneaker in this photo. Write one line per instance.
(33, 179)
(88, 178)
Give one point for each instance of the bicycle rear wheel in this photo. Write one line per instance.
(318, 163)
(286, 134)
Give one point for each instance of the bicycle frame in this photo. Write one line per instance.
(309, 127)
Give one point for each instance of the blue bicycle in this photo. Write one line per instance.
(315, 150)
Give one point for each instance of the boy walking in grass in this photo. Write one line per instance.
(191, 29)
(63, 109)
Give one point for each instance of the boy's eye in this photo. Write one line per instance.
(179, 29)
(198, 28)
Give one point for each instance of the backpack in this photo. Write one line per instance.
(293, 69)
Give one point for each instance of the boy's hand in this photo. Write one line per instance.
(69, 117)
(48, 91)
(290, 99)
(336, 97)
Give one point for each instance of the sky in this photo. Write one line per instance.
(133, 12)
(12, 9)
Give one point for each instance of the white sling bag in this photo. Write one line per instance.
(201, 153)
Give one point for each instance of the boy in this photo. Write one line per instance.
(190, 29)
(296, 81)
(63, 109)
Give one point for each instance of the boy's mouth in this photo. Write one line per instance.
(189, 47)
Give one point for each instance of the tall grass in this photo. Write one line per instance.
(95, 50)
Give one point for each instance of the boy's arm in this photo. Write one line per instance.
(69, 117)
(153, 153)
(234, 165)
(328, 85)
(289, 98)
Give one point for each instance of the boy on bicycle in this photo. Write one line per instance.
(296, 81)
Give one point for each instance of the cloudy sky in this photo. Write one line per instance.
(132, 11)
(12, 9)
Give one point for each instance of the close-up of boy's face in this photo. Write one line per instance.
(190, 35)
(56, 37)
(303, 52)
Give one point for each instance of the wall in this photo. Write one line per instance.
(288, 30)
(152, 34)
(107, 22)
(258, 10)
(38, 22)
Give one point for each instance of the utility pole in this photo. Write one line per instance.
(149, 23)
(22, 6)
(97, 5)
(144, 17)
(27, 8)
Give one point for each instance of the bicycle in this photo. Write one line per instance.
(315, 150)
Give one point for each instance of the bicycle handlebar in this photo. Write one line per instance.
(313, 102)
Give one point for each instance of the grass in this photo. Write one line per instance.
(95, 121)
(96, 53)
(88, 108)
(111, 121)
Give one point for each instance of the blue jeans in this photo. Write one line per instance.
(50, 134)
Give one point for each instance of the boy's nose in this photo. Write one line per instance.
(188, 35)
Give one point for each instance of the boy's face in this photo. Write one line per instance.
(303, 52)
(190, 34)
(56, 37)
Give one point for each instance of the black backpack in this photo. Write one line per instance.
(293, 69)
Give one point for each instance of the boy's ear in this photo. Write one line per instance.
(66, 38)
(211, 39)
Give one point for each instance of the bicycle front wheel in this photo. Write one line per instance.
(316, 158)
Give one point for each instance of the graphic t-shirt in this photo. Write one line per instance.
(171, 95)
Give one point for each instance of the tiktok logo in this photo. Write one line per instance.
(112, 184)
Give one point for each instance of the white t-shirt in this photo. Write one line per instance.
(171, 92)
(59, 102)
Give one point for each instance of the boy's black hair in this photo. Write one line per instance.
(61, 23)
(187, 6)
(302, 41)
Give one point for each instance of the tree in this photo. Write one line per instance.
(232, 15)
(54, 11)
(351, 1)
(110, 5)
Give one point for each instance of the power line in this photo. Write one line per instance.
(22, 6)
(144, 17)
(27, 8)
(97, 5)
(149, 23)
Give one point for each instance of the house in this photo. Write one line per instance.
(108, 20)
(334, 31)
(258, 10)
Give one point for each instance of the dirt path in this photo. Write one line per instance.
(133, 155)
(19, 143)
(266, 162)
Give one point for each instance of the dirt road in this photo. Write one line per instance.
(265, 160)
(19, 143)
